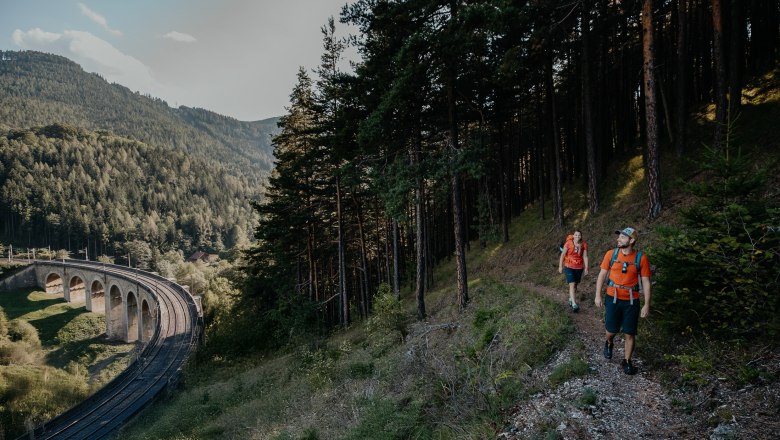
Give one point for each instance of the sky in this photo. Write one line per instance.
(238, 58)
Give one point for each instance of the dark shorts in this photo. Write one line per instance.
(573, 275)
(621, 314)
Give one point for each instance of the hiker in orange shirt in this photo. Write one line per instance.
(627, 272)
(574, 263)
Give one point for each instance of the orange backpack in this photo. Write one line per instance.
(570, 239)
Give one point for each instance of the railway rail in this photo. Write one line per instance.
(156, 369)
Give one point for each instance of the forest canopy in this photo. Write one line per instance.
(70, 188)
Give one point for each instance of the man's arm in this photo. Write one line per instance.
(647, 287)
(599, 285)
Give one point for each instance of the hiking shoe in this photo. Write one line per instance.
(574, 306)
(608, 350)
(628, 366)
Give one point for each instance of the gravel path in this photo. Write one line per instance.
(605, 404)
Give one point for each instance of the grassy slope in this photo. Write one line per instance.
(72, 359)
(456, 372)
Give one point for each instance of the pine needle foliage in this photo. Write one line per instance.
(720, 268)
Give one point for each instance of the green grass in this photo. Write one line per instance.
(72, 360)
(343, 388)
(43, 310)
(458, 370)
(575, 367)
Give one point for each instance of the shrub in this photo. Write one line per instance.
(718, 272)
(574, 368)
(82, 327)
(387, 420)
(361, 370)
(19, 353)
(388, 316)
(3, 324)
(21, 330)
(588, 397)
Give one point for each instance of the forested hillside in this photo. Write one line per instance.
(86, 163)
(71, 188)
(411, 206)
(462, 115)
(39, 89)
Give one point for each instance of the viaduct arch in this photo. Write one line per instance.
(129, 307)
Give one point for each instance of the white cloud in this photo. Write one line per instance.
(33, 37)
(180, 37)
(94, 55)
(99, 19)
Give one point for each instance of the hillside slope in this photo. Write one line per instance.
(38, 89)
(516, 363)
(63, 186)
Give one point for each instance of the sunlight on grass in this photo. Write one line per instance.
(494, 250)
(63, 357)
(636, 175)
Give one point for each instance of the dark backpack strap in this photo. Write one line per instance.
(638, 271)
(611, 283)
(611, 262)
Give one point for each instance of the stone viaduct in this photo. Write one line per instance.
(130, 307)
(162, 316)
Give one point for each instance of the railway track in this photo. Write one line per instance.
(157, 368)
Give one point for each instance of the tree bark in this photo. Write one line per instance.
(720, 75)
(681, 112)
(419, 204)
(364, 272)
(736, 60)
(651, 126)
(396, 273)
(342, 263)
(556, 145)
(587, 116)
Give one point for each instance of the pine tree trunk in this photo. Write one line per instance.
(720, 75)
(681, 112)
(313, 293)
(653, 162)
(342, 263)
(419, 204)
(396, 256)
(587, 112)
(364, 278)
(736, 60)
(457, 216)
(556, 145)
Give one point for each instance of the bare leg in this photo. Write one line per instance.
(629, 346)
(572, 291)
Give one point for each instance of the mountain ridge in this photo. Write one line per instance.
(40, 89)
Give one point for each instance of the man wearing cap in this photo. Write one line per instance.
(627, 272)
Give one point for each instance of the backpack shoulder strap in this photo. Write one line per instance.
(614, 257)
(638, 270)
(609, 271)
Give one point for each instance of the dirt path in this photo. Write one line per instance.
(605, 404)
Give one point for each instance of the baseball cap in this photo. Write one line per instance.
(628, 232)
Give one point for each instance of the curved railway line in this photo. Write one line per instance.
(157, 367)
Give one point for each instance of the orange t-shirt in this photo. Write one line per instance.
(573, 258)
(629, 278)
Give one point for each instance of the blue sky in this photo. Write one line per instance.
(235, 57)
